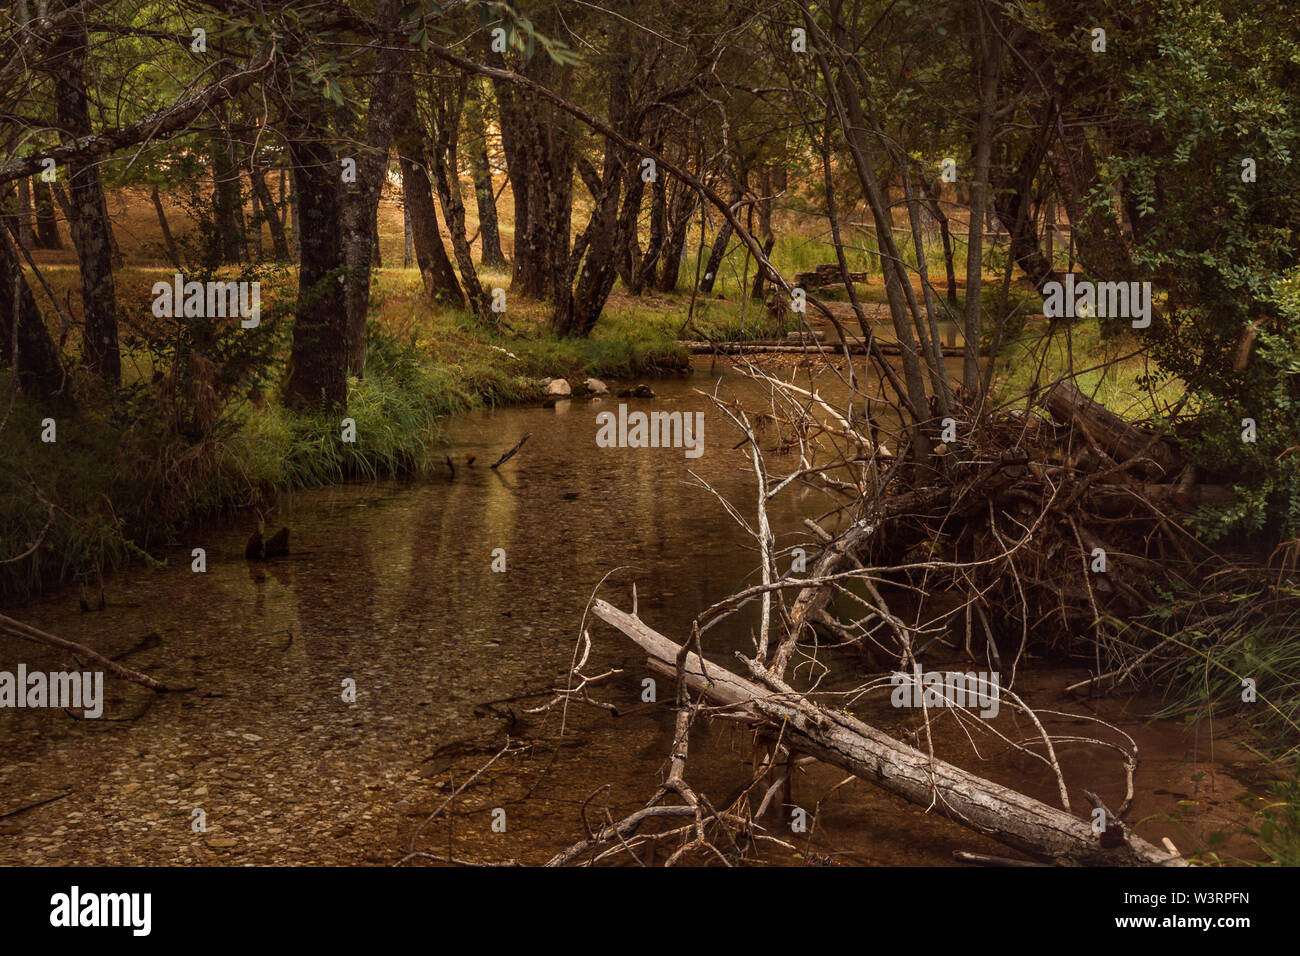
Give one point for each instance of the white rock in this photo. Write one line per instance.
(558, 386)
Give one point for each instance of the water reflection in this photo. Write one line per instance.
(391, 586)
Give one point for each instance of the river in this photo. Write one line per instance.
(391, 586)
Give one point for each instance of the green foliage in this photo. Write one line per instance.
(1221, 90)
(521, 34)
(727, 322)
(1279, 831)
(199, 437)
(1219, 636)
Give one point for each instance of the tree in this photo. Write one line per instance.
(484, 192)
(318, 362)
(37, 365)
(436, 269)
(91, 230)
(538, 140)
(448, 105)
(361, 200)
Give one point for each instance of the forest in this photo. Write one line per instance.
(588, 433)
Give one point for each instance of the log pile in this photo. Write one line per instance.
(1046, 518)
(824, 275)
(1150, 452)
(810, 347)
(1043, 522)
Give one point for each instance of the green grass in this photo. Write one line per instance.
(1278, 832)
(792, 254)
(1103, 368)
(124, 479)
(1234, 631)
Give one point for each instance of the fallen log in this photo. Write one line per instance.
(1116, 501)
(1011, 818)
(826, 274)
(830, 348)
(1120, 439)
(17, 628)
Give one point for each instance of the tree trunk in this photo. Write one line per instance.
(764, 209)
(26, 234)
(538, 142)
(1095, 234)
(40, 374)
(642, 267)
(945, 233)
(169, 243)
(854, 125)
(453, 209)
(1015, 205)
(319, 360)
(439, 275)
(88, 213)
(681, 206)
(274, 220)
(833, 736)
(227, 198)
(607, 233)
(521, 254)
(408, 240)
(255, 226)
(988, 59)
(440, 282)
(361, 199)
(929, 335)
(47, 225)
(294, 223)
(283, 204)
(760, 275)
(489, 232)
(719, 249)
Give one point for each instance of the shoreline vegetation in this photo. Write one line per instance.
(423, 365)
(154, 477)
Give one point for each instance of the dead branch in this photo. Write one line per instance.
(510, 454)
(17, 628)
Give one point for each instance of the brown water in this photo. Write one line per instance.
(391, 585)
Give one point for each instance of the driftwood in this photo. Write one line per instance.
(830, 347)
(510, 454)
(17, 628)
(841, 552)
(1011, 818)
(1120, 439)
(827, 274)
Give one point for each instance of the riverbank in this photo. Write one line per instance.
(392, 584)
(124, 474)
